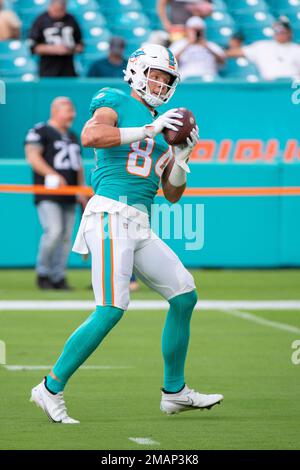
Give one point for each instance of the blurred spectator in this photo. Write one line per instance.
(181, 11)
(236, 40)
(10, 24)
(114, 64)
(134, 285)
(55, 36)
(196, 56)
(159, 37)
(54, 154)
(276, 58)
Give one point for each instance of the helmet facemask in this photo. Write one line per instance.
(159, 98)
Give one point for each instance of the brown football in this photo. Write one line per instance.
(179, 137)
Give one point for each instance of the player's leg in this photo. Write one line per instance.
(109, 252)
(61, 253)
(51, 220)
(175, 284)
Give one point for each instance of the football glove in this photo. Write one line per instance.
(183, 152)
(168, 120)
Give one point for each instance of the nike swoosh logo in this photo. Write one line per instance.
(188, 402)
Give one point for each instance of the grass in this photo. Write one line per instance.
(248, 362)
(211, 284)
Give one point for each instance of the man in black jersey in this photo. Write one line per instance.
(55, 36)
(54, 154)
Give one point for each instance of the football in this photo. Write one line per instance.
(179, 137)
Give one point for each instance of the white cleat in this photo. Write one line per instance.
(187, 400)
(53, 405)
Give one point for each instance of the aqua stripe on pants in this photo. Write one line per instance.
(107, 260)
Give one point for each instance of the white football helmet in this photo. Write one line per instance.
(139, 66)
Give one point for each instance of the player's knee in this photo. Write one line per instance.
(109, 313)
(190, 299)
(185, 302)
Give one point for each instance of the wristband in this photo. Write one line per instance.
(177, 177)
(129, 135)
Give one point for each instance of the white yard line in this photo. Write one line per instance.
(144, 441)
(7, 305)
(262, 321)
(26, 367)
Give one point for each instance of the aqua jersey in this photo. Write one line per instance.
(129, 173)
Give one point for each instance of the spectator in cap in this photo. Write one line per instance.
(114, 64)
(275, 58)
(196, 56)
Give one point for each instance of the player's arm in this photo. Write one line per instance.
(173, 193)
(101, 130)
(162, 13)
(174, 175)
(39, 165)
(234, 52)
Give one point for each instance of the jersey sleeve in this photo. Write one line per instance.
(36, 136)
(106, 98)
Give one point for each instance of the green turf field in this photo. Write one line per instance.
(250, 363)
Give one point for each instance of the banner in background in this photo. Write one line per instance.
(239, 122)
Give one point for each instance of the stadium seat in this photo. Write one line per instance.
(95, 34)
(135, 43)
(220, 5)
(256, 26)
(8, 4)
(220, 19)
(256, 19)
(130, 24)
(240, 68)
(221, 35)
(90, 18)
(284, 6)
(148, 4)
(20, 67)
(13, 48)
(154, 20)
(294, 17)
(296, 34)
(30, 7)
(76, 7)
(220, 27)
(94, 51)
(247, 6)
(112, 7)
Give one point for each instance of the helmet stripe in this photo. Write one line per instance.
(171, 59)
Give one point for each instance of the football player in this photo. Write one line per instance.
(132, 158)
